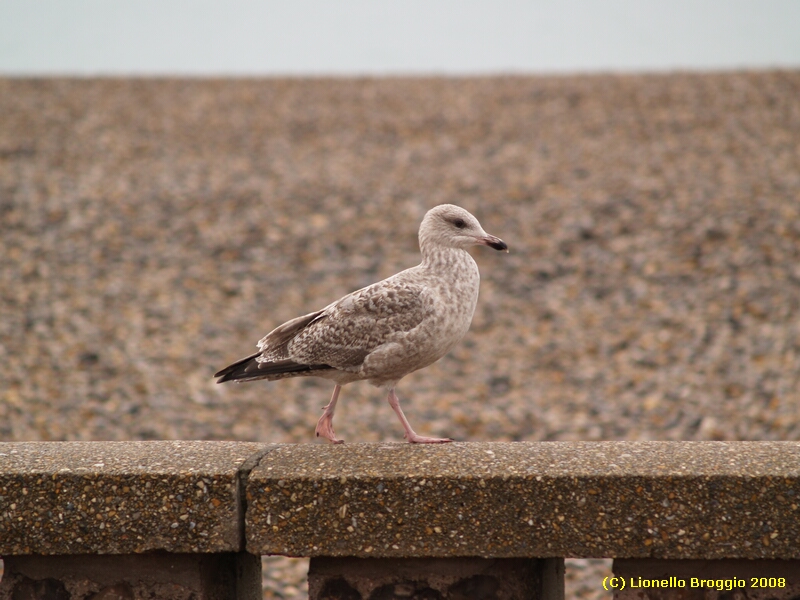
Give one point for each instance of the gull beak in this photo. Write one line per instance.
(493, 242)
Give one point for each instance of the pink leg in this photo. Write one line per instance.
(325, 423)
(410, 435)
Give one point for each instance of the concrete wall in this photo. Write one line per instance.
(125, 518)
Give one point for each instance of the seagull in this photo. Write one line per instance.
(384, 331)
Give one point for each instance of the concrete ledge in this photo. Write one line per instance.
(122, 497)
(677, 500)
(665, 500)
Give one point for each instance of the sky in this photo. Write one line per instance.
(382, 37)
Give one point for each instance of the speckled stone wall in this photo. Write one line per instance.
(666, 500)
(608, 499)
(122, 497)
(644, 500)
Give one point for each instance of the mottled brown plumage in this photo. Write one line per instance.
(387, 330)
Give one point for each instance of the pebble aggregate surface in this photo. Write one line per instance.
(691, 500)
(153, 230)
(121, 498)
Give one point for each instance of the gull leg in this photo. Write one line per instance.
(325, 423)
(410, 434)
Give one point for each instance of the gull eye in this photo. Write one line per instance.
(460, 223)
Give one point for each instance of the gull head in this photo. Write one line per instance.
(451, 226)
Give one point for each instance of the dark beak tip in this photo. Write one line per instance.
(499, 245)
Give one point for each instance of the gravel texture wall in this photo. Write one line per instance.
(153, 230)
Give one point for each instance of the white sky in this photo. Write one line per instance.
(352, 37)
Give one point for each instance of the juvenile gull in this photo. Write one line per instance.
(387, 330)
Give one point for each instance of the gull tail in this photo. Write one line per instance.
(249, 369)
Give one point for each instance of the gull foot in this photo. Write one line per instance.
(421, 439)
(325, 429)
